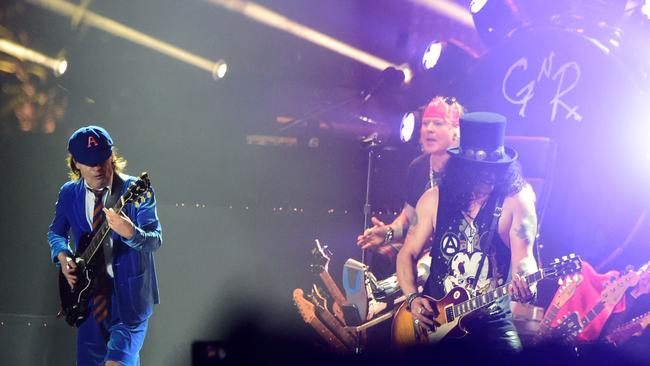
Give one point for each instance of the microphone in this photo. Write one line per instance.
(389, 78)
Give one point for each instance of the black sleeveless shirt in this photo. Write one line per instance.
(462, 257)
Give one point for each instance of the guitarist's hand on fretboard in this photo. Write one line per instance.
(119, 223)
(68, 268)
(520, 290)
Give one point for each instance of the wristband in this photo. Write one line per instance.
(409, 299)
(389, 235)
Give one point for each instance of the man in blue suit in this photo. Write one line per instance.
(122, 301)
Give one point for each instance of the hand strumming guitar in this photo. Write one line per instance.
(423, 313)
(68, 268)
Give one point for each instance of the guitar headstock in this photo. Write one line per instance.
(567, 290)
(138, 192)
(568, 328)
(564, 266)
(614, 290)
(305, 307)
(318, 296)
(322, 256)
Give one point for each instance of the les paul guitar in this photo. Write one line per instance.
(572, 324)
(457, 303)
(74, 301)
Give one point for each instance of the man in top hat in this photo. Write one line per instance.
(126, 289)
(482, 218)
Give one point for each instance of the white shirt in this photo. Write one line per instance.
(108, 243)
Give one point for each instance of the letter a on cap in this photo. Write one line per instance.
(91, 142)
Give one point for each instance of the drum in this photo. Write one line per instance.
(574, 89)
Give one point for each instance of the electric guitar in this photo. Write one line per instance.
(457, 303)
(563, 294)
(307, 311)
(346, 335)
(628, 330)
(643, 287)
(572, 324)
(341, 308)
(74, 301)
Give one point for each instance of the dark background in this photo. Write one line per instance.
(240, 220)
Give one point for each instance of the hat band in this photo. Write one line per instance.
(482, 155)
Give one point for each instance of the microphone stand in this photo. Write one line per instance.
(372, 142)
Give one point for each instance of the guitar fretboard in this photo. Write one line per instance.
(100, 235)
(628, 330)
(480, 301)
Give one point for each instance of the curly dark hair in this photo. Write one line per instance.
(462, 177)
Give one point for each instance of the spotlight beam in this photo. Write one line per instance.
(449, 9)
(119, 30)
(27, 54)
(275, 20)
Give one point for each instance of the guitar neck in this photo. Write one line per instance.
(480, 301)
(546, 322)
(100, 235)
(628, 330)
(333, 289)
(592, 314)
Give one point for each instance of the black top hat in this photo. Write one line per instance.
(481, 139)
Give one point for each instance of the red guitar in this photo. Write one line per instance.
(563, 294)
(572, 324)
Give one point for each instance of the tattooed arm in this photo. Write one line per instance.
(521, 235)
(420, 228)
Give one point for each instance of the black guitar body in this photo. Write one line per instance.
(74, 301)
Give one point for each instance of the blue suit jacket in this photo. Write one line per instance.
(135, 284)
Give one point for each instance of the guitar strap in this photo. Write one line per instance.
(116, 188)
(498, 209)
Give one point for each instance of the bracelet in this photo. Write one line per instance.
(409, 299)
(389, 235)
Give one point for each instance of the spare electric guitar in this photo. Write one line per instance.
(307, 311)
(345, 335)
(341, 308)
(74, 300)
(563, 294)
(572, 324)
(643, 287)
(457, 304)
(628, 330)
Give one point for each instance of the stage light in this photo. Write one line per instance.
(219, 70)
(407, 127)
(494, 19)
(57, 65)
(646, 8)
(278, 21)
(476, 5)
(81, 14)
(431, 55)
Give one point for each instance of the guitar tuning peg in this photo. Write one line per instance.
(629, 268)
